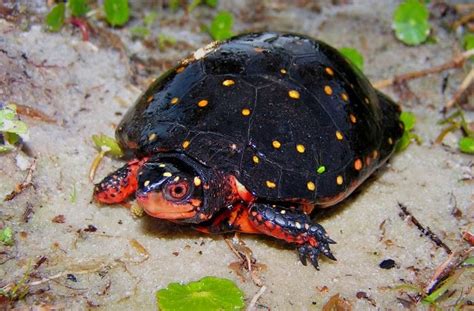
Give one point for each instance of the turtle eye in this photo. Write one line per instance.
(177, 191)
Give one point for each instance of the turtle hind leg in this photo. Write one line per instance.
(119, 185)
(293, 227)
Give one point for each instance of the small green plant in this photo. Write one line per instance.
(354, 56)
(221, 26)
(116, 12)
(12, 130)
(457, 121)
(195, 3)
(144, 30)
(55, 18)
(408, 119)
(410, 22)
(208, 294)
(468, 42)
(6, 236)
(165, 41)
(107, 145)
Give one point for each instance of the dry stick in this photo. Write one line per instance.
(466, 83)
(463, 20)
(453, 63)
(255, 298)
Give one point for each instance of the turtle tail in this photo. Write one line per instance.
(393, 127)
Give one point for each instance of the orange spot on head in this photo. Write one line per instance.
(358, 164)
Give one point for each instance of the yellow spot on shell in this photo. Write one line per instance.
(329, 71)
(167, 174)
(197, 181)
(375, 154)
(255, 159)
(366, 100)
(152, 137)
(276, 144)
(339, 135)
(358, 164)
(174, 100)
(311, 186)
(344, 97)
(245, 112)
(390, 141)
(149, 99)
(300, 148)
(339, 180)
(228, 82)
(203, 103)
(283, 71)
(328, 90)
(294, 94)
(180, 69)
(186, 144)
(353, 118)
(270, 184)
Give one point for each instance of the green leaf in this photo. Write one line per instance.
(408, 119)
(211, 3)
(445, 285)
(150, 19)
(221, 26)
(193, 5)
(468, 41)
(116, 12)
(354, 56)
(208, 294)
(466, 145)
(404, 142)
(140, 32)
(174, 5)
(107, 144)
(468, 262)
(165, 41)
(78, 7)
(6, 236)
(55, 18)
(6, 148)
(410, 22)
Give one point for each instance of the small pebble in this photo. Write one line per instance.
(387, 264)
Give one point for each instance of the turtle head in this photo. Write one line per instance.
(180, 189)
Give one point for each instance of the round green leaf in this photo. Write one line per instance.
(466, 145)
(408, 119)
(403, 143)
(107, 144)
(221, 26)
(410, 22)
(116, 12)
(354, 56)
(78, 7)
(208, 294)
(55, 18)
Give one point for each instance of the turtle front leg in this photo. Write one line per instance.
(119, 185)
(294, 227)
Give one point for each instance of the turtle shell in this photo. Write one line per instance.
(284, 113)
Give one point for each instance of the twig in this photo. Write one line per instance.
(446, 268)
(25, 184)
(466, 84)
(463, 20)
(425, 231)
(255, 298)
(453, 63)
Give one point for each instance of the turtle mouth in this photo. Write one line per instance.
(157, 206)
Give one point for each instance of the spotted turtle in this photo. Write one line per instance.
(252, 133)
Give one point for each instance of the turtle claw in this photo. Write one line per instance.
(309, 251)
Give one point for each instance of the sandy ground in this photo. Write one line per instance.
(87, 86)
